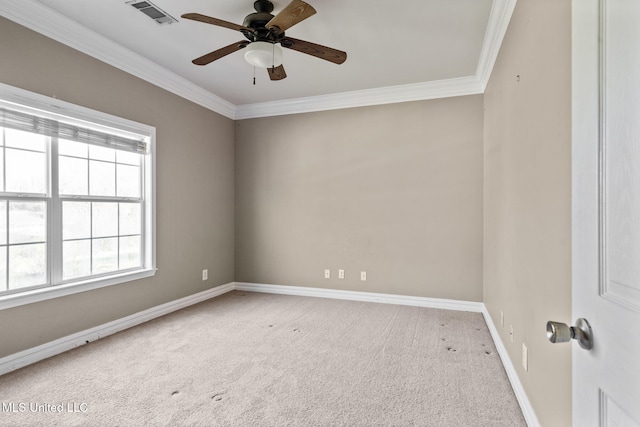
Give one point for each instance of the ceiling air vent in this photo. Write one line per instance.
(153, 12)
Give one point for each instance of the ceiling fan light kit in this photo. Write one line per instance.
(265, 35)
(263, 54)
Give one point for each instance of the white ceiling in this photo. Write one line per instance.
(416, 49)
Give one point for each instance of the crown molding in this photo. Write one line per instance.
(499, 18)
(361, 98)
(501, 11)
(56, 26)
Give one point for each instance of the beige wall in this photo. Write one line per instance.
(392, 190)
(195, 199)
(527, 198)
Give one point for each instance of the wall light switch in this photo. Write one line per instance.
(502, 318)
(327, 274)
(340, 274)
(525, 358)
(363, 275)
(511, 333)
(205, 274)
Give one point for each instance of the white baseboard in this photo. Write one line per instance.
(445, 304)
(44, 351)
(525, 405)
(478, 307)
(52, 348)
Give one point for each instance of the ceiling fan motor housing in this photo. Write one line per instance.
(262, 15)
(258, 21)
(263, 6)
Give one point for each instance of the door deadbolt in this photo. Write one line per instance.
(560, 332)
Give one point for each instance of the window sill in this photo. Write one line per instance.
(43, 294)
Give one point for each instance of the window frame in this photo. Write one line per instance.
(16, 98)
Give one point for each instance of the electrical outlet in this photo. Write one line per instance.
(363, 275)
(327, 274)
(205, 274)
(340, 274)
(511, 333)
(502, 318)
(525, 358)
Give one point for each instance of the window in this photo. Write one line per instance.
(76, 199)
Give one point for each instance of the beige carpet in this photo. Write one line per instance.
(249, 359)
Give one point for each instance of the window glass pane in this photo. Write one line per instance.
(1, 136)
(128, 181)
(105, 255)
(27, 265)
(27, 222)
(3, 268)
(130, 220)
(26, 140)
(128, 158)
(73, 176)
(129, 252)
(102, 178)
(25, 171)
(105, 219)
(3, 222)
(76, 220)
(102, 153)
(72, 148)
(76, 259)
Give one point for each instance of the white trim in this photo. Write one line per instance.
(361, 98)
(44, 351)
(57, 109)
(499, 19)
(57, 291)
(50, 23)
(444, 304)
(525, 405)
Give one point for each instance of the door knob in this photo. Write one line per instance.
(560, 332)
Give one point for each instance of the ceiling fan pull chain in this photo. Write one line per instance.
(254, 76)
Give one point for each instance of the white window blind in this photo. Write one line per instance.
(30, 123)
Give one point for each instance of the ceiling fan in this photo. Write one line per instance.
(265, 34)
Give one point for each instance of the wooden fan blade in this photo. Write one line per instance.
(215, 21)
(217, 54)
(277, 73)
(295, 12)
(322, 52)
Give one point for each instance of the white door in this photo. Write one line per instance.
(606, 210)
